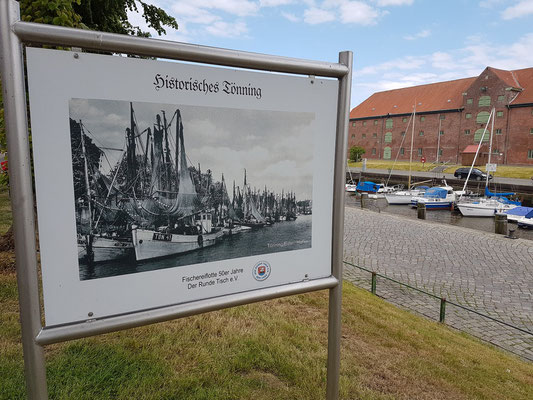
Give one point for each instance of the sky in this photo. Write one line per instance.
(396, 43)
(221, 139)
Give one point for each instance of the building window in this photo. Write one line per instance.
(364, 135)
(388, 123)
(422, 118)
(353, 124)
(388, 137)
(530, 154)
(375, 122)
(402, 151)
(442, 116)
(374, 135)
(469, 101)
(495, 151)
(421, 133)
(403, 133)
(387, 153)
(467, 131)
(441, 133)
(353, 135)
(531, 131)
(468, 115)
(440, 152)
(501, 97)
(484, 101)
(479, 134)
(420, 151)
(482, 117)
(364, 123)
(374, 151)
(499, 114)
(404, 119)
(498, 132)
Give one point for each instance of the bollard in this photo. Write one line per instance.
(442, 309)
(421, 209)
(364, 199)
(500, 223)
(511, 234)
(373, 286)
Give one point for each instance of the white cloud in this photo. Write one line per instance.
(467, 61)
(420, 35)
(315, 16)
(274, 3)
(521, 9)
(385, 3)
(290, 17)
(227, 29)
(357, 12)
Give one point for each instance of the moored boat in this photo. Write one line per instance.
(436, 198)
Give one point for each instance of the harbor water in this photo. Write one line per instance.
(281, 236)
(440, 216)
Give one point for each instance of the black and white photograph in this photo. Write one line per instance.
(163, 185)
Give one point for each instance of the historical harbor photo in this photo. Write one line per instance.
(161, 186)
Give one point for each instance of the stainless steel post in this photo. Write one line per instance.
(335, 294)
(21, 192)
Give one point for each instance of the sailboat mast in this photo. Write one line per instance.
(86, 170)
(490, 144)
(438, 140)
(411, 152)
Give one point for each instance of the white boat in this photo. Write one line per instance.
(436, 198)
(484, 207)
(350, 188)
(405, 196)
(514, 214)
(104, 249)
(526, 221)
(153, 244)
(492, 203)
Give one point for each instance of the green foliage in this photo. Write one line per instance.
(54, 12)
(112, 16)
(356, 152)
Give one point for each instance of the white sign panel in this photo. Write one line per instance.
(491, 167)
(160, 183)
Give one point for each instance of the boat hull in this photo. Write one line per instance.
(151, 244)
(106, 249)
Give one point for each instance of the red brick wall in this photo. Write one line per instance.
(513, 142)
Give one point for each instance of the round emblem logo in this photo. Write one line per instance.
(261, 271)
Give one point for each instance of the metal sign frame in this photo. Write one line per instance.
(13, 33)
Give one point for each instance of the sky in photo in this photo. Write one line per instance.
(396, 43)
(223, 140)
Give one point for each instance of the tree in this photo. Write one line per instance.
(356, 152)
(104, 15)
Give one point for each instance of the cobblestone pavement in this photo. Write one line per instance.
(481, 271)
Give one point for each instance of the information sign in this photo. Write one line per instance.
(160, 183)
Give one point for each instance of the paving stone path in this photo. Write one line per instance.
(482, 271)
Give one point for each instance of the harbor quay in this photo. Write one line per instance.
(489, 275)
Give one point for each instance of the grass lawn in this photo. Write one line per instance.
(504, 171)
(270, 350)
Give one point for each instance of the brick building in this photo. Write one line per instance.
(457, 111)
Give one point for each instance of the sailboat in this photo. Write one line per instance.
(492, 203)
(169, 216)
(406, 196)
(101, 230)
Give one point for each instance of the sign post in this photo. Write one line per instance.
(179, 98)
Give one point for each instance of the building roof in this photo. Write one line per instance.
(471, 148)
(431, 97)
(440, 96)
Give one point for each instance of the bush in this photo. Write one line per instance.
(356, 152)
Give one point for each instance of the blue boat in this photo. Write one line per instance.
(436, 198)
(368, 187)
(516, 213)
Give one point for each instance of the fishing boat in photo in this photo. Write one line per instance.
(102, 230)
